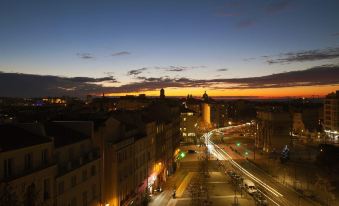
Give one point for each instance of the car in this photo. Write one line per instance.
(249, 186)
(260, 199)
(231, 173)
(158, 189)
(190, 151)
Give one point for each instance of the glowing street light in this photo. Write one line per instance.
(182, 155)
(238, 144)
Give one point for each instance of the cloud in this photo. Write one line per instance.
(222, 70)
(335, 34)
(179, 68)
(121, 53)
(321, 75)
(136, 71)
(110, 79)
(28, 85)
(245, 23)
(249, 59)
(176, 69)
(277, 6)
(310, 55)
(228, 14)
(85, 55)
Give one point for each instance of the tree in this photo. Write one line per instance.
(324, 185)
(328, 158)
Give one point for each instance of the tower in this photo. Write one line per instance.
(205, 97)
(162, 93)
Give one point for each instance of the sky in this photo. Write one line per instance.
(274, 48)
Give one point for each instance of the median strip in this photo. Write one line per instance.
(184, 184)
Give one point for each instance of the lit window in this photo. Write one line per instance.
(184, 134)
(184, 119)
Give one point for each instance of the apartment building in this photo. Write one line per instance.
(188, 125)
(27, 169)
(127, 145)
(331, 115)
(77, 181)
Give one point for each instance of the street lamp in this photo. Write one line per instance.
(182, 155)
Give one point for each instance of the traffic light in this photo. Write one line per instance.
(238, 144)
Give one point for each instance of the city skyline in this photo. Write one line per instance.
(229, 48)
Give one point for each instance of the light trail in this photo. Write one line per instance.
(225, 156)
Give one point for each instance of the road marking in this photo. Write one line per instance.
(211, 146)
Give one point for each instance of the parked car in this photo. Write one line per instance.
(190, 151)
(231, 173)
(249, 186)
(260, 199)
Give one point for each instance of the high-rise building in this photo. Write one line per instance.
(331, 115)
(189, 125)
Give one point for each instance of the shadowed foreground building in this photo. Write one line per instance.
(27, 169)
(51, 164)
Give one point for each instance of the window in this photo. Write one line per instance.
(94, 191)
(8, 167)
(61, 188)
(46, 189)
(28, 161)
(73, 181)
(84, 174)
(93, 170)
(84, 198)
(184, 119)
(73, 201)
(70, 154)
(44, 156)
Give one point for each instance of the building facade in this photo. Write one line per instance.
(273, 130)
(331, 115)
(27, 169)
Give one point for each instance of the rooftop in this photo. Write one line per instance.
(13, 137)
(63, 135)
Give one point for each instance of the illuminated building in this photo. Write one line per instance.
(188, 125)
(331, 115)
(206, 112)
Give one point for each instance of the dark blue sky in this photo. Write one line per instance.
(100, 38)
